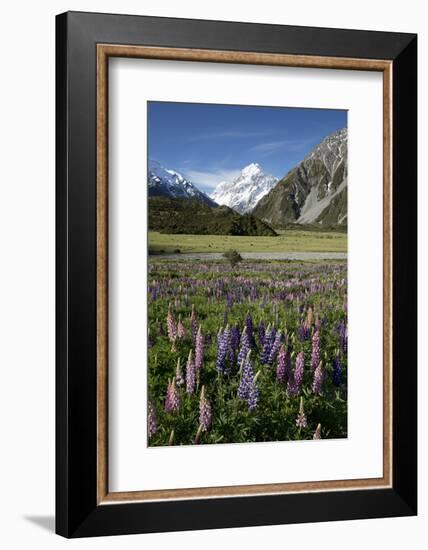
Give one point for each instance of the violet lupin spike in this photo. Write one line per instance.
(247, 389)
(267, 345)
(295, 379)
(235, 338)
(205, 412)
(152, 422)
(275, 347)
(337, 371)
(299, 369)
(245, 347)
(190, 374)
(283, 365)
(250, 330)
(199, 349)
(223, 338)
(316, 350)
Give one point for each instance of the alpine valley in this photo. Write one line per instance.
(313, 193)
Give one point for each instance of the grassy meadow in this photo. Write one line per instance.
(252, 353)
(287, 241)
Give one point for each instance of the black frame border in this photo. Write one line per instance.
(77, 512)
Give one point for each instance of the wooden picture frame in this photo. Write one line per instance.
(85, 42)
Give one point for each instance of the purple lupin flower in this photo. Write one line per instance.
(283, 365)
(267, 344)
(275, 347)
(223, 346)
(304, 331)
(171, 325)
(317, 432)
(179, 373)
(205, 412)
(247, 390)
(181, 332)
(194, 323)
(235, 338)
(262, 331)
(337, 371)
(301, 420)
(343, 337)
(299, 369)
(190, 374)
(318, 380)
(316, 350)
(199, 349)
(295, 379)
(152, 421)
(250, 330)
(172, 400)
(245, 346)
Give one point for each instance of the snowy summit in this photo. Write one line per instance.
(244, 192)
(169, 183)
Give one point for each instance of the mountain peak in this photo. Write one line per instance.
(165, 182)
(314, 191)
(252, 168)
(243, 193)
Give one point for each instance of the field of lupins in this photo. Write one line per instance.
(256, 353)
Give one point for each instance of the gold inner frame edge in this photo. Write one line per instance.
(104, 51)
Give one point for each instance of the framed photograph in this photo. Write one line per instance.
(236, 274)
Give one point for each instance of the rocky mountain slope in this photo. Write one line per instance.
(163, 182)
(245, 191)
(315, 191)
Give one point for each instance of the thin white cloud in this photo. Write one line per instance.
(208, 181)
(227, 134)
(267, 148)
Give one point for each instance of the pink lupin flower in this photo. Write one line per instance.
(190, 374)
(172, 400)
(316, 350)
(181, 331)
(205, 412)
(318, 381)
(171, 325)
(301, 421)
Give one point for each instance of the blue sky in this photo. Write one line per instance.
(210, 143)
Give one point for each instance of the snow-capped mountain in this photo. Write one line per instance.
(315, 191)
(244, 192)
(164, 182)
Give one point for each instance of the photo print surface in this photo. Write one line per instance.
(247, 274)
